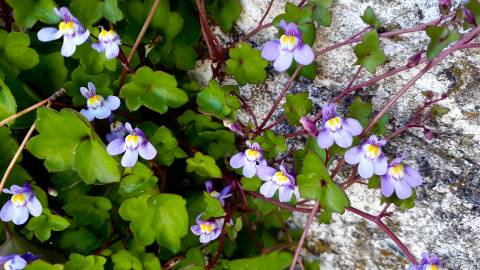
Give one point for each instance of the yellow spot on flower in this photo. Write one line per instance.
(132, 141)
(215, 194)
(207, 227)
(95, 101)
(334, 123)
(18, 199)
(64, 27)
(397, 171)
(431, 267)
(288, 42)
(280, 178)
(372, 151)
(252, 154)
(103, 33)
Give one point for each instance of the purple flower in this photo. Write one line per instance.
(98, 107)
(249, 160)
(400, 178)
(22, 202)
(309, 126)
(469, 17)
(17, 262)
(369, 156)
(134, 144)
(207, 230)
(427, 262)
(281, 180)
(220, 196)
(117, 130)
(108, 42)
(73, 32)
(290, 46)
(337, 129)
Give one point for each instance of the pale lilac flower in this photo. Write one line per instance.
(400, 178)
(208, 230)
(117, 130)
(337, 129)
(427, 262)
(220, 196)
(22, 203)
(134, 144)
(17, 262)
(369, 156)
(98, 107)
(290, 46)
(249, 160)
(73, 32)
(108, 42)
(279, 180)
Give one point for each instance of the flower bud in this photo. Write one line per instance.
(469, 17)
(309, 126)
(414, 60)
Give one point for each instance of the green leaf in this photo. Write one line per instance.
(80, 147)
(213, 207)
(43, 225)
(139, 181)
(360, 111)
(325, 217)
(49, 75)
(321, 12)
(368, 52)
(272, 144)
(93, 62)
(271, 261)
(224, 12)
(41, 265)
(89, 210)
(302, 17)
(310, 146)
(439, 111)
(166, 145)
(374, 182)
(440, 38)
(15, 53)
(79, 262)
(404, 204)
(474, 7)
(194, 260)
(79, 240)
(218, 101)
(111, 11)
(8, 105)
(27, 12)
(246, 64)
(297, 105)
(161, 217)
(124, 260)
(203, 165)
(87, 11)
(218, 143)
(370, 18)
(93, 163)
(154, 90)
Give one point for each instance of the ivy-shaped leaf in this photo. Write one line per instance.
(213, 208)
(80, 79)
(362, 111)
(124, 260)
(218, 101)
(27, 12)
(138, 181)
(155, 90)
(302, 17)
(79, 262)
(246, 64)
(15, 53)
(8, 105)
(368, 52)
(274, 261)
(297, 105)
(370, 18)
(224, 12)
(162, 218)
(203, 165)
(166, 145)
(321, 11)
(43, 225)
(440, 38)
(89, 210)
(272, 144)
(42, 265)
(92, 61)
(218, 143)
(87, 11)
(49, 75)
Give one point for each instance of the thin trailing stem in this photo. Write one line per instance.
(304, 234)
(266, 13)
(355, 76)
(249, 110)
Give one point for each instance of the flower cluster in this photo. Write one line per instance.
(17, 262)
(210, 229)
(74, 34)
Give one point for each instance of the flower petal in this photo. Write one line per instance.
(353, 155)
(238, 160)
(129, 158)
(387, 185)
(98, 47)
(84, 91)
(112, 102)
(81, 37)
(147, 151)
(271, 50)
(265, 172)
(365, 168)
(249, 169)
(6, 214)
(285, 193)
(20, 215)
(381, 165)
(68, 47)
(284, 61)
(34, 206)
(204, 238)
(49, 34)
(268, 189)
(413, 178)
(402, 189)
(102, 112)
(343, 138)
(352, 126)
(196, 229)
(116, 147)
(324, 138)
(89, 114)
(304, 54)
(111, 50)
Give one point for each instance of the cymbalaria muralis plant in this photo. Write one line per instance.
(76, 195)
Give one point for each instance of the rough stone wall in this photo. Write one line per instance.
(446, 218)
